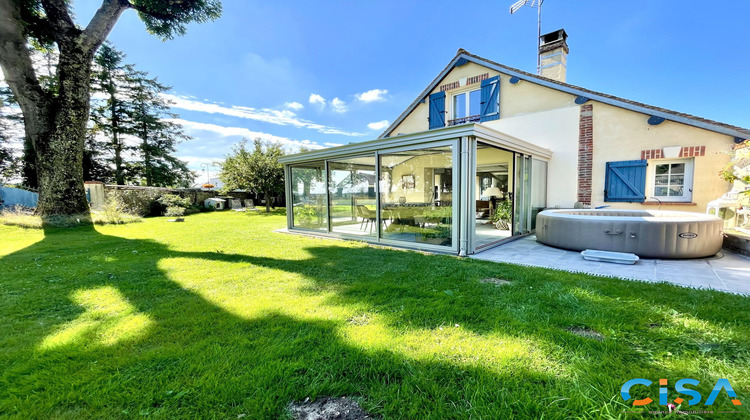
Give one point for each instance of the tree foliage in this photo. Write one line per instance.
(158, 135)
(55, 118)
(133, 122)
(257, 170)
(8, 159)
(112, 115)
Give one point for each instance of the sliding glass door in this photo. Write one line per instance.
(522, 212)
(416, 195)
(493, 195)
(509, 189)
(351, 192)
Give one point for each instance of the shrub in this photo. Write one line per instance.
(139, 202)
(113, 212)
(113, 209)
(503, 215)
(174, 200)
(175, 211)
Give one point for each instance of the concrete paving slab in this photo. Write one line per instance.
(726, 271)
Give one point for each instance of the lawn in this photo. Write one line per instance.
(221, 317)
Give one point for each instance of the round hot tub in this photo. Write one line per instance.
(646, 233)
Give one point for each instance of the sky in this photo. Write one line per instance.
(326, 73)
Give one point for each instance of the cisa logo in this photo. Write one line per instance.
(695, 396)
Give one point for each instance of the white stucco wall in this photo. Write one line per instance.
(556, 130)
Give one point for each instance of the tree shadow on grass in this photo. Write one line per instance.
(98, 327)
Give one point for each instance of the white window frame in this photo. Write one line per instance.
(687, 192)
(466, 92)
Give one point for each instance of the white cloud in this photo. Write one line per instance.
(290, 144)
(379, 125)
(339, 105)
(296, 106)
(268, 115)
(317, 99)
(374, 95)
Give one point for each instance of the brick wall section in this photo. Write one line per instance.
(693, 151)
(585, 152)
(651, 154)
(686, 152)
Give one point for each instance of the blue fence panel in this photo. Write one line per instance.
(10, 197)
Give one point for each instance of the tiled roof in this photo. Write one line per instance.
(668, 114)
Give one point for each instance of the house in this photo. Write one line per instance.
(485, 147)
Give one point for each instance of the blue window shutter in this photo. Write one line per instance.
(625, 181)
(490, 106)
(437, 110)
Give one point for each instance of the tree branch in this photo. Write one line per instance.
(58, 16)
(156, 15)
(16, 64)
(102, 23)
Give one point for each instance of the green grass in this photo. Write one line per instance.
(220, 316)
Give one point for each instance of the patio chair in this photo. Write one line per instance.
(368, 217)
(237, 204)
(249, 205)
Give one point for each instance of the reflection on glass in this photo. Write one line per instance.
(416, 195)
(351, 183)
(538, 189)
(493, 184)
(522, 214)
(669, 180)
(309, 196)
(459, 106)
(474, 102)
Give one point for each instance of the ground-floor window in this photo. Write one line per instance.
(672, 180)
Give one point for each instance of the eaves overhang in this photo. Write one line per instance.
(479, 131)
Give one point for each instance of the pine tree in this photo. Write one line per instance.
(158, 135)
(55, 121)
(112, 115)
(13, 165)
(8, 159)
(95, 164)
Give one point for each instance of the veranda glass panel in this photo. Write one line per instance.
(309, 196)
(351, 185)
(538, 188)
(493, 186)
(416, 195)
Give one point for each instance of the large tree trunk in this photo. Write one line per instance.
(146, 152)
(119, 179)
(56, 124)
(28, 165)
(59, 156)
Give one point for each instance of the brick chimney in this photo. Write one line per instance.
(553, 55)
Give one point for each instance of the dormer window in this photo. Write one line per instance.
(478, 105)
(466, 107)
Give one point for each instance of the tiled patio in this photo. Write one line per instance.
(726, 271)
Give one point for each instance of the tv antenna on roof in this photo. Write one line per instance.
(538, 4)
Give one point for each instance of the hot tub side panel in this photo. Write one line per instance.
(645, 237)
